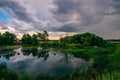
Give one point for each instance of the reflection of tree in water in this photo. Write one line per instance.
(28, 51)
(41, 53)
(7, 56)
(7, 53)
(44, 54)
(77, 54)
(81, 55)
(6, 50)
(66, 57)
(36, 52)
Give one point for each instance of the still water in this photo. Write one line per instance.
(37, 60)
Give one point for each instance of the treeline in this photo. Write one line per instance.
(8, 38)
(35, 38)
(86, 39)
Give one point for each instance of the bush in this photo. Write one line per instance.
(86, 39)
(52, 45)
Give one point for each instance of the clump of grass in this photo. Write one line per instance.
(108, 76)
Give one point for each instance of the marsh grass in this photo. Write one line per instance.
(89, 73)
(109, 76)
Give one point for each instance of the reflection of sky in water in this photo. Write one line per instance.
(55, 64)
(2, 60)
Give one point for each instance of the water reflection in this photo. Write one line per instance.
(36, 52)
(7, 52)
(36, 60)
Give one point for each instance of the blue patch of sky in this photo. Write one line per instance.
(4, 18)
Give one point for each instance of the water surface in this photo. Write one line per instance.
(36, 60)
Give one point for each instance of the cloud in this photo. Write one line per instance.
(24, 14)
(97, 16)
(15, 9)
(84, 12)
(3, 25)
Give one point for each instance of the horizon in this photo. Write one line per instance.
(61, 17)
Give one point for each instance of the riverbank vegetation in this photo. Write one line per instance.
(7, 38)
(104, 56)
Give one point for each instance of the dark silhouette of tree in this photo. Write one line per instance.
(26, 39)
(29, 40)
(34, 39)
(7, 38)
(87, 39)
(1, 39)
(46, 33)
(65, 39)
(43, 36)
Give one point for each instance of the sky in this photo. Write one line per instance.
(61, 17)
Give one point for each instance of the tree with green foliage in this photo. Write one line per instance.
(34, 39)
(46, 34)
(7, 38)
(1, 39)
(65, 39)
(43, 36)
(87, 39)
(76, 39)
(26, 39)
(29, 40)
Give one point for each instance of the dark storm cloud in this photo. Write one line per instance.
(65, 6)
(108, 7)
(82, 11)
(86, 12)
(116, 5)
(67, 28)
(16, 8)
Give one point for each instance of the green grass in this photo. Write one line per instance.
(108, 76)
(77, 50)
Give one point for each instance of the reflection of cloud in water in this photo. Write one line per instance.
(55, 64)
(20, 57)
(3, 60)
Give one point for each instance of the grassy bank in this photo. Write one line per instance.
(105, 65)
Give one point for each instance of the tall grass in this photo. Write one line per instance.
(108, 76)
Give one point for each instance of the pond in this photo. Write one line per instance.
(37, 60)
